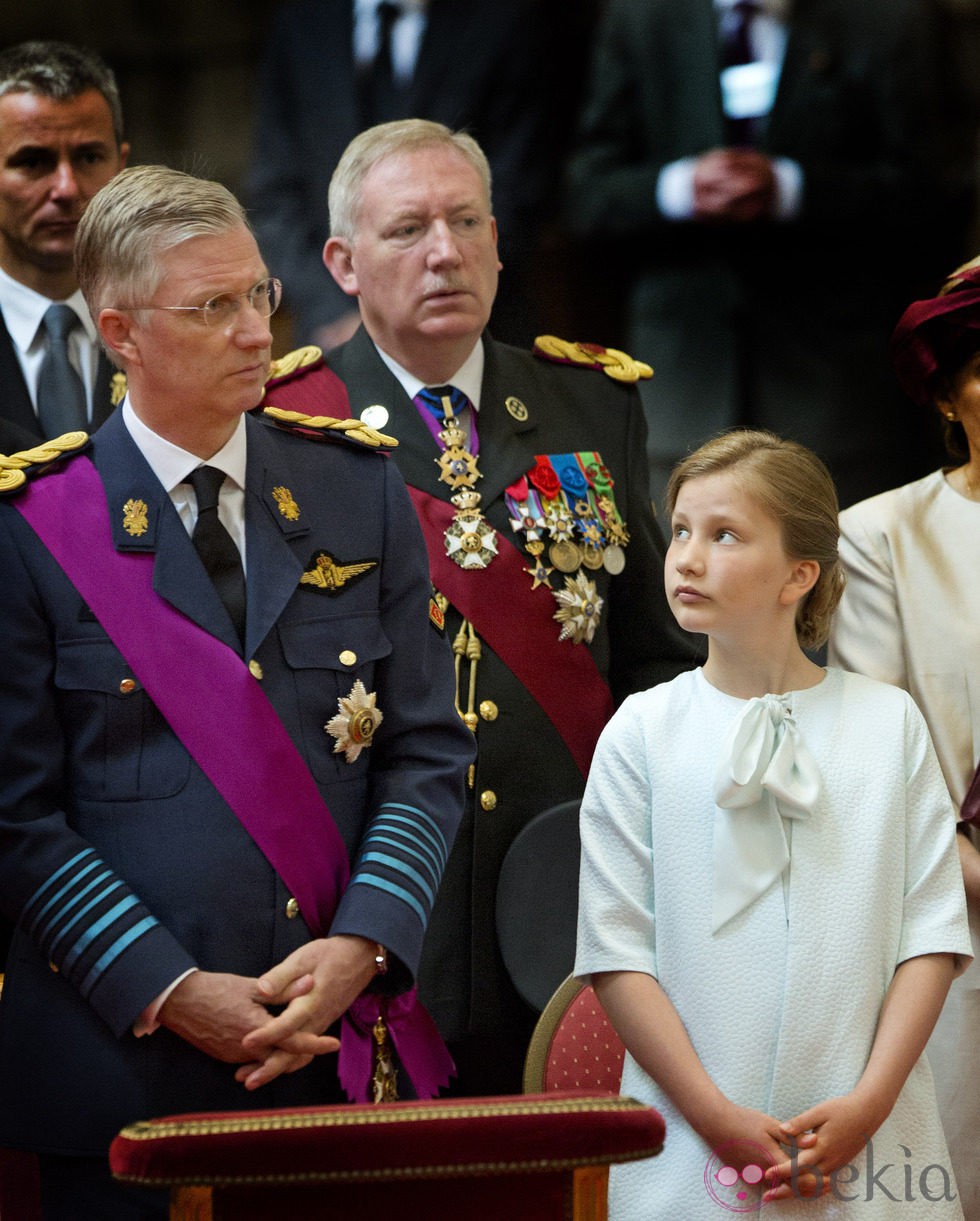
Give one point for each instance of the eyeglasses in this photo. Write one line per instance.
(223, 309)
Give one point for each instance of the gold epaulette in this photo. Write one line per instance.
(615, 364)
(16, 469)
(354, 430)
(290, 364)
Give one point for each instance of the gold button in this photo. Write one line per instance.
(255, 670)
(127, 686)
(292, 909)
(54, 967)
(348, 657)
(488, 799)
(488, 710)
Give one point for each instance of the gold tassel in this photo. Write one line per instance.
(384, 1079)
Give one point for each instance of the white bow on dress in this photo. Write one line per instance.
(765, 774)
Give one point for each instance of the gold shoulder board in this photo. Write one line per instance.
(614, 363)
(293, 362)
(352, 430)
(16, 469)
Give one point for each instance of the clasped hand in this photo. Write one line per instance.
(228, 1016)
(822, 1141)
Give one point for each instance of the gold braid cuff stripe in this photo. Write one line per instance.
(12, 466)
(356, 429)
(615, 364)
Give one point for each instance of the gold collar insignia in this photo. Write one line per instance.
(135, 521)
(287, 506)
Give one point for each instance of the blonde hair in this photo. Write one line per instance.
(388, 140)
(795, 488)
(137, 216)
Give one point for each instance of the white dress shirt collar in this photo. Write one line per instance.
(171, 464)
(23, 310)
(468, 377)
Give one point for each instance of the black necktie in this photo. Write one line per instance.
(216, 547)
(736, 49)
(60, 393)
(383, 98)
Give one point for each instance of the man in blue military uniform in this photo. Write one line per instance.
(528, 473)
(230, 766)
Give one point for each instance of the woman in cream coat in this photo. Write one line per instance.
(910, 615)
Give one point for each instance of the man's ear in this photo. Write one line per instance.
(117, 330)
(338, 258)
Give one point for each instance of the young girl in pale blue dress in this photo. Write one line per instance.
(771, 907)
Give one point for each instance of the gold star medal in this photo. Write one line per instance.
(579, 607)
(356, 720)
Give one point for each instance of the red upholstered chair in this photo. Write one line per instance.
(531, 1158)
(574, 1046)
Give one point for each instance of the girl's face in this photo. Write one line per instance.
(727, 572)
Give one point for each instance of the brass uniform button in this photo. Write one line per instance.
(54, 967)
(347, 658)
(292, 909)
(255, 670)
(488, 800)
(488, 710)
(127, 686)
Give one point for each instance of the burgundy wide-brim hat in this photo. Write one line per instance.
(928, 328)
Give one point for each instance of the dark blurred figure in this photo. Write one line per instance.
(61, 138)
(335, 67)
(771, 181)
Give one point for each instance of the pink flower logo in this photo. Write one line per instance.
(734, 1176)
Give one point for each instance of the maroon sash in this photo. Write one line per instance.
(197, 682)
(517, 623)
(519, 626)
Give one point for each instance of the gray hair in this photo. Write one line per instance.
(386, 140)
(137, 216)
(59, 71)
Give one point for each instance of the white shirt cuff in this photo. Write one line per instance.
(147, 1022)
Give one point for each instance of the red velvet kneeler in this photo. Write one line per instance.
(537, 1157)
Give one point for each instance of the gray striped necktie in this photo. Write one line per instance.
(61, 403)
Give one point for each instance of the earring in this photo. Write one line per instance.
(950, 415)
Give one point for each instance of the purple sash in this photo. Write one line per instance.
(197, 682)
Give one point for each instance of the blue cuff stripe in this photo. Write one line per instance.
(99, 898)
(372, 879)
(419, 816)
(60, 894)
(113, 952)
(400, 867)
(80, 856)
(96, 929)
(75, 900)
(426, 832)
(420, 854)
